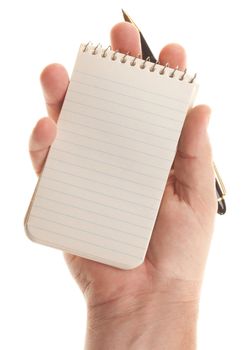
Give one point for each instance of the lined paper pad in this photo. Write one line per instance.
(100, 190)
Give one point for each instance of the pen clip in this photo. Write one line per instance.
(220, 183)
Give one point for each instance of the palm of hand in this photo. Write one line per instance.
(175, 258)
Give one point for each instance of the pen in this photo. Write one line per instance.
(219, 185)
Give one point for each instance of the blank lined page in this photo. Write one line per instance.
(101, 187)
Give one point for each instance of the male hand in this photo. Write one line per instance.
(155, 305)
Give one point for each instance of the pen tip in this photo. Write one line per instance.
(126, 16)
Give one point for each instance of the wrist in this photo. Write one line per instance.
(142, 322)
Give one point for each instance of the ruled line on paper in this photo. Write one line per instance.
(115, 113)
(117, 145)
(96, 160)
(112, 144)
(102, 183)
(98, 203)
(80, 156)
(65, 109)
(92, 211)
(92, 222)
(105, 173)
(122, 136)
(122, 105)
(125, 95)
(128, 85)
(108, 153)
(87, 242)
(89, 232)
(97, 192)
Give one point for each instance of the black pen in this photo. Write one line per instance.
(147, 54)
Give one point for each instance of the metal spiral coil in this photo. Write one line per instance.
(165, 70)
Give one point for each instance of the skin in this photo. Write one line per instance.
(161, 296)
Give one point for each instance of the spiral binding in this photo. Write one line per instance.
(114, 55)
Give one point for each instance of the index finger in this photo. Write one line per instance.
(54, 80)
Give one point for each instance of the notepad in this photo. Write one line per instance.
(100, 190)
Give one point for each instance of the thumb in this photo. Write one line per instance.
(193, 166)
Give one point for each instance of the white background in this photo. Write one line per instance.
(40, 305)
